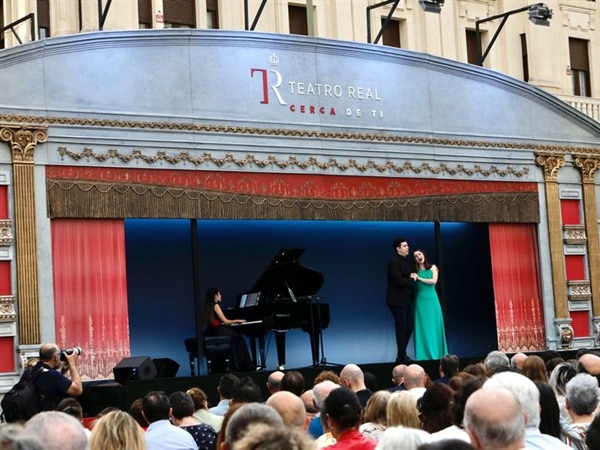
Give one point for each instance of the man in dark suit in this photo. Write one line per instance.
(400, 296)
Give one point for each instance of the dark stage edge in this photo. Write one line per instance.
(98, 395)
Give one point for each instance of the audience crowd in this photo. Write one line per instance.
(501, 403)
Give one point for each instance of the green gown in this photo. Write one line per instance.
(430, 336)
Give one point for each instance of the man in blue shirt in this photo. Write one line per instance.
(161, 434)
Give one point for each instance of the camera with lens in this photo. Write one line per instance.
(69, 351)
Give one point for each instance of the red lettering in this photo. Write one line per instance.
(302, 109)
(332, 112)
(312, 109)
(265, 87)
(322, 110)
(293, 108)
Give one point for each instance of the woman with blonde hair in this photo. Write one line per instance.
(117, 430)
(402, 410)
(375, 415)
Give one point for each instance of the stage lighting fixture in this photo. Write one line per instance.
(540, 14)
(434, 6)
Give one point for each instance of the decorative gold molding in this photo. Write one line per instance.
(574, 234)
(6, 237)
(550, 163)
(579, 290)
(291, 161)
(285, 132)
(7, 308)
(23, 140)
(588, 166)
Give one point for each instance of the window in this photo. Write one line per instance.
(472, 56)
(43, 18)
(212, 14)
(391, 34)
(298, 20)
(524, 57)
(580, 67)
(145, 13)
(179, 13)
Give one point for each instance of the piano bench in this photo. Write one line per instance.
(217, 352)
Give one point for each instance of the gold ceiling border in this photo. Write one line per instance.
(291, 161)
(232, 129)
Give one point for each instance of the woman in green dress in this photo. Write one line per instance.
(430, 336)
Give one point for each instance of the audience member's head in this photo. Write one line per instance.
(9, 433)
(342, 410)
(414, 377)
(199, 398)
(274, 381)
(290, 408)
(117, 430)
(246, 415)
(456, 382)
(582, 395)
(477, 370)
(321, 391)
(136, 412)
(71, 407)
(590, 363)
(517, 360)
(402, 410)
(560, 376)
(246, 391)
(293, 381)
(398, 374)
(461, 396)
(552, 363)
(156, 406)
(534, 368)
(494, 360)
(371, 382)
(524, 389)
(57, 431)
(182, 406)
(353, 377)
(376, 409)
(327, 375)
(549, 410)
(308, 399)
(272, 437)
(494, 419)
(227, 386)
(434, 407)
(394, 438)
(449, 365)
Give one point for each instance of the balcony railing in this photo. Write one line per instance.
(587, 105)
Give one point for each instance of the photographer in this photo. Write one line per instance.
(51, 383)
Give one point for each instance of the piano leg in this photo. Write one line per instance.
(253, 350)
(280, 343)
(314, 345)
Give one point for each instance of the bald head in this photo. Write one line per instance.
(307, 398)
(494, 419)
(517, 360)
(414, 377)
(290, 407)
(590, 363)
(353, 377)
(321, 391)
(398, 374)
(274, 381)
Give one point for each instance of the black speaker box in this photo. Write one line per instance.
(135, 368)
(166, 367)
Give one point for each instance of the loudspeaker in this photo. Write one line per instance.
(166, 367)
(136, 368)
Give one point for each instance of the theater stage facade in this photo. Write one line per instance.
(139, 168)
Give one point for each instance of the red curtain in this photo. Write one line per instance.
(90, 292)
(515, 270)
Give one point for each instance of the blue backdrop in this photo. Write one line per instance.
(352, 257)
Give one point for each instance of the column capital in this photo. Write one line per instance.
(23, 140)
(551, 163)
(588, 165)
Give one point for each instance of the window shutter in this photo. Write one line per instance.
(145, 12)
(181, 12)
(391, 34)
(43, 13)
(298, 20)
(578, 50)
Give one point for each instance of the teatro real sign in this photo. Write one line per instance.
(314, 97)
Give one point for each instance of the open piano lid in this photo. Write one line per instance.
(285, 273)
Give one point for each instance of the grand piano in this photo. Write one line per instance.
(283, 298)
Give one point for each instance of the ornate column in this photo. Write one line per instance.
(22, 140)
(551, 163)
(589, 165)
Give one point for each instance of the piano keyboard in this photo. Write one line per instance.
(250, 322)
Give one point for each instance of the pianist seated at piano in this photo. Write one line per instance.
(216, 324)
